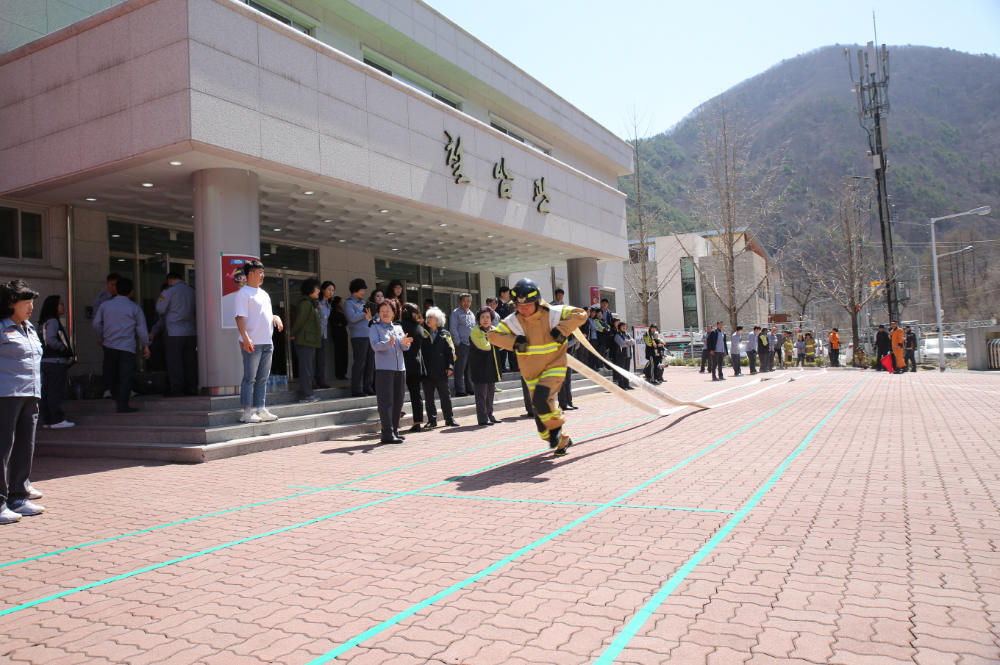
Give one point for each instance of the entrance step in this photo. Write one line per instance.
(190, 435)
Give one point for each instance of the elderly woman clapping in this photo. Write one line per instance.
(389, 341)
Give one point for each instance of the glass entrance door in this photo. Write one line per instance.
(284, 290)
(275, 286)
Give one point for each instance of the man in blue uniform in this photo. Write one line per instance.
(116, 324)
(176, 307)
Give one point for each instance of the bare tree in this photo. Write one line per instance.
(736, 202)
(842, 263)
(797, 284)
(644, 281)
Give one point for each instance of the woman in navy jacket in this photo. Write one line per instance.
(438, 350)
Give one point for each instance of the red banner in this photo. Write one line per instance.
(595, 295)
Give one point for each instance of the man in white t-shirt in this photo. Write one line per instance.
(256, 323)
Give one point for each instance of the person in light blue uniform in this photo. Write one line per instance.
(358, 316)
(20, 392)
(388, 341)
(326, 291)
(117, 323)
(176, 308)
(109, 293)
(460, 325)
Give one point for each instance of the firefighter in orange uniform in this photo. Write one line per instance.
(537, 333)
(898, 339)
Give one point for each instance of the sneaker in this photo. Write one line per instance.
(309, 400)
(431, 423)
(32, 492)
(250, 417)
(498, 390)
(266, 415)
(26, 508)
(62, 425)
(8, 516)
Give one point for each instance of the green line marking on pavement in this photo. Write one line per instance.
(473, 497)
(216, 548)
(312, 490)
(444, 593)
(632, 627)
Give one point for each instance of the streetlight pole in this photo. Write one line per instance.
(937, 284)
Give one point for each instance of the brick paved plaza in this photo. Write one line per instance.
(846, 517)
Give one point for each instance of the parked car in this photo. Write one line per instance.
(953, 349)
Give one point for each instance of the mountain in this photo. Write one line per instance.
(943, 142)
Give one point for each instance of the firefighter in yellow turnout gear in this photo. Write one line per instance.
(537, 332)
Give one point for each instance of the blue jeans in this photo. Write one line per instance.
(256, 369)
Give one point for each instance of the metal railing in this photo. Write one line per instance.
(993, 353)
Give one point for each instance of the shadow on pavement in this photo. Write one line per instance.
(49, 468)
(529, 469)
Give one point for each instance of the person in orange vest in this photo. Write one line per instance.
(898, 339)
(835, 348)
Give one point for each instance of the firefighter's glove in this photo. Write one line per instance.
(521, 344)
(557, 335)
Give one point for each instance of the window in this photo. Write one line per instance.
(442, 285)
(408, 81)
(689, 293)
(635, 253)
(20, 234)
(283, 257)
(276, 16)
(518, 137)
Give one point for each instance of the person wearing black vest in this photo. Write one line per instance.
(883, 347)
(414, 359)
(507, 359)
(57, 355)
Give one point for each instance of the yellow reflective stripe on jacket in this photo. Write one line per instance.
(555, 371)
(539, 349)
(550, 416)
(502, 327)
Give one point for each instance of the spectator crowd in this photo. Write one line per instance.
(400, 353)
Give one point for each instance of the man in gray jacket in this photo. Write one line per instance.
(772, 341)
(358, 316)
(460, 325)
(734, 351)
(116, 324)
(176, 307)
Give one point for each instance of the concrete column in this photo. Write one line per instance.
(226, 221)
(581, 274)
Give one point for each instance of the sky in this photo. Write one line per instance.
(665, 57)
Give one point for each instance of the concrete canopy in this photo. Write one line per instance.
(113, 99)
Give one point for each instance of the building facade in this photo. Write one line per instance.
(330, 138)
(685, 271)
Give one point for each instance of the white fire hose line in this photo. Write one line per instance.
(679, 405)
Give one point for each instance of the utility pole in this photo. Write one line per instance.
(872, 92)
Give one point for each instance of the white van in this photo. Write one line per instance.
(953, 349)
